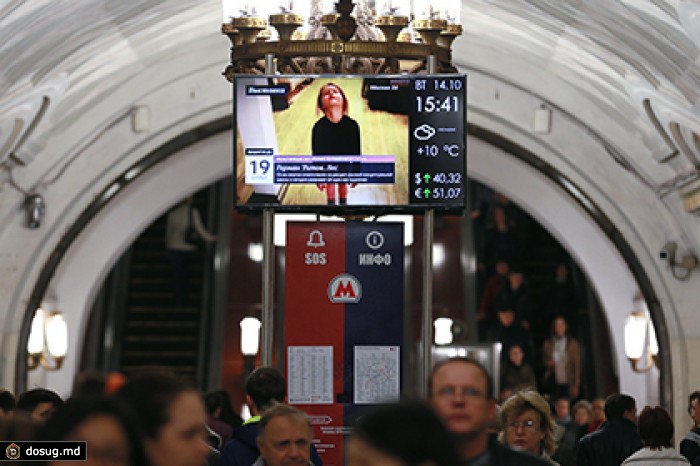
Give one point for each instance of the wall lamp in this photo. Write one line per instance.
(250, 336)
(640, 342)
(48, 340)
(446, 330)
(443, 330)
(687, 264)
(250, 342)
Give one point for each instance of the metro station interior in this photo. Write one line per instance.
(585, 115)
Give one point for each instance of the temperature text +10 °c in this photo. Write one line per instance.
(434, 150)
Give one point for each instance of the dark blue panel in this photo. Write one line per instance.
(374, 255)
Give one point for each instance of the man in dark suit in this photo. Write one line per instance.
(616, 439)
(461, 393)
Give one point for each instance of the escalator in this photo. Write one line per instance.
(137, 324)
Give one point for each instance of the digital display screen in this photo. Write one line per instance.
(350, 144)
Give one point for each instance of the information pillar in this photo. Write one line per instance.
(343, 323)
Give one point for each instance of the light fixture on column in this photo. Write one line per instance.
(443, 331)
(250, 336)
(255, 252)
(319, 36)
(48, 340)
(641, 345)
(250, 342)
(439, 255)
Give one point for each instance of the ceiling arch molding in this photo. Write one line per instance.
(484, 145)
(178, 159)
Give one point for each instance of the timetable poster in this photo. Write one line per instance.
(343, 323)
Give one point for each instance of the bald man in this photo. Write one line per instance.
(284, 438)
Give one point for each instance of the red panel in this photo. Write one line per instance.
(315, 254)
(329, 432)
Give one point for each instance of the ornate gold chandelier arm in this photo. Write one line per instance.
(245, 57)
(303, 48)
(341, 44)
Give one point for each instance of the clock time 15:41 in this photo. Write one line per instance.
(430, 104)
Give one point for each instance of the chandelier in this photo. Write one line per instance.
(322, 37)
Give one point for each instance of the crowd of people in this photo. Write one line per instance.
(538, 334)
(543, 408)
(538, 417)
(560, 354)
(157, 419)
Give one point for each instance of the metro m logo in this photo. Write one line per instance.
(344, 288)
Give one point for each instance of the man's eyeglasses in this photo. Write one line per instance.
(452, 392)
(526, 425)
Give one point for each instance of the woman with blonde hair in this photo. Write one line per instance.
(528, 425)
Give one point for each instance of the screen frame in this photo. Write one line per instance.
(352, 209)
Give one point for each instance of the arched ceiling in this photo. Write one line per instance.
(624, 59)
(589, 57)
(627, 71)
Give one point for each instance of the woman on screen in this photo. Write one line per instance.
(335, 134)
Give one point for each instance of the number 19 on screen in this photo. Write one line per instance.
(259, 169)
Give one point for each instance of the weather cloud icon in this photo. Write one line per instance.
(424, 132)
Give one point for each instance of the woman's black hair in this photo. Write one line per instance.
(150, 395)
(29, 400)
(409, 431)
(78, 410)
(219, 399)
(7, 401)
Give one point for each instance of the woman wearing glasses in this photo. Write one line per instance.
(528, 425)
